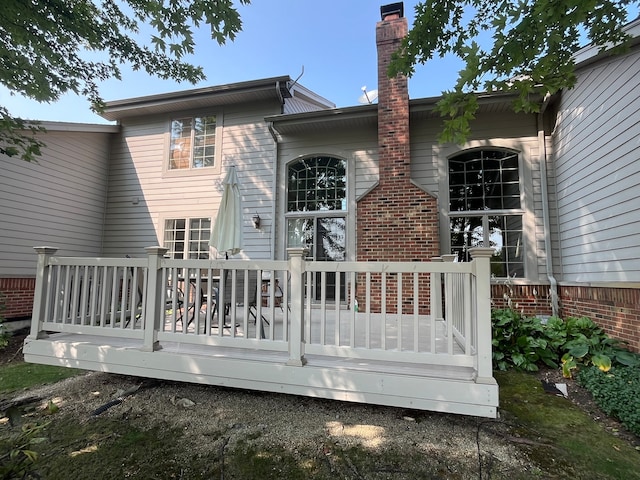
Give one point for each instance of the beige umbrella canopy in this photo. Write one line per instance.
(226, 234)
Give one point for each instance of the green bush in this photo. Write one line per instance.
(525, 343)
(520, 342)
(18, 457)
(617, 392)
(604, 366)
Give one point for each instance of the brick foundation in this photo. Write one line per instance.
(529, 300)
(17, 295)
(617, 310)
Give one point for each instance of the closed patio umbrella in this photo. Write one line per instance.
(226, 234)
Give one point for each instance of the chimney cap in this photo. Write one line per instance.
(392, 8)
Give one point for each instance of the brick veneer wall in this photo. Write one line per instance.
(617, 310)
(17, 295)
(396, 221)
(530, 300)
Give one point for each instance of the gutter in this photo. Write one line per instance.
(544, 190)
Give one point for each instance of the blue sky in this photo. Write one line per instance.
(333, 39)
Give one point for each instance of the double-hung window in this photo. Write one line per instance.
(484, 208)
(193, 143)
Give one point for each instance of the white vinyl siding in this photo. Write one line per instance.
(142, 194)
(58, 202)
(358, 147)
(598, 179)
(517, 132)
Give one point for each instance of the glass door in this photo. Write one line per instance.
(325, 239)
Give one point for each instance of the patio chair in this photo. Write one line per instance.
(252, 285)
(278, 294)
(174, 300)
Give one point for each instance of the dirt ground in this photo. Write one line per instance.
(299, 421)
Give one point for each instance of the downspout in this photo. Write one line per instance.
(544, 191)
(280, 97)
(272, 242)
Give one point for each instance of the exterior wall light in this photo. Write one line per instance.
(256, 221)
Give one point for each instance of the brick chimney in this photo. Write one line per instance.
(393, 99)
(396, 220)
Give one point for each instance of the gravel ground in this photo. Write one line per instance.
(462, 446)
(296, 423)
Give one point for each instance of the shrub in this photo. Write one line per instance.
(617, 392)
(18, 458)
(525, 343)
(520, 342)
(587, 343)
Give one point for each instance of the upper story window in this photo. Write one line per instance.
(484, 208)
(193, 142)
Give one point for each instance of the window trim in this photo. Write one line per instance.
(187, 231)
(447, 214)
(180, 172)
(315, 214)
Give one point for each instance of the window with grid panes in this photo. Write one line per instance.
(316, 212)
(187, 238)
(193, 143)
(484, 208)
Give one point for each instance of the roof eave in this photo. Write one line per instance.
(275, 88)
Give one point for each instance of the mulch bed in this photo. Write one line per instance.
(13, 351)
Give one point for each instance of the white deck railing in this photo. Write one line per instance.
(434, 312)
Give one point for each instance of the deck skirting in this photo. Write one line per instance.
(423, 387)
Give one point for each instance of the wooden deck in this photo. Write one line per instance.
(313, 348)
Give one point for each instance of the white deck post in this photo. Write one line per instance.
(296, 335)
(481, 257)
(152, 314)
(40, 294)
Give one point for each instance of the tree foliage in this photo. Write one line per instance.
(49, 48)
(530, 52)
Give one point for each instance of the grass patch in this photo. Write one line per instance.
(566, 435)
(21, 375)
(111, 448)
(559, 440)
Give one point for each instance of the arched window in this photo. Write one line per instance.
(317, 184)
(317, 208)
(484, 207)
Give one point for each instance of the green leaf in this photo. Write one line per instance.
(627, 358)
(579, 350)
(31, 455)
(50, 48)
(531, 40)
(603, 362)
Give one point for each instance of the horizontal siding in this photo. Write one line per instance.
(296, 105)
(506, 130)
(358, 147)
(59, 201)
(597, 141)
(424, 161)
(137, 174)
